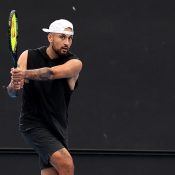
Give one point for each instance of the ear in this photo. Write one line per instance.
(50, 37)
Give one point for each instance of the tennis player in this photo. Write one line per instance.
(48, 76)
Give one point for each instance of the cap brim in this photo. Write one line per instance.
(64, 32)
(45, 30)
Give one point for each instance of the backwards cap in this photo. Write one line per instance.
(59, 26)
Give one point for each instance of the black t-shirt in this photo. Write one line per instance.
(45, 103)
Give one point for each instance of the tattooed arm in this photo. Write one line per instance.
(38, 74)
(69, 69)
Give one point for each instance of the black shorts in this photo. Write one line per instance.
(44, 143)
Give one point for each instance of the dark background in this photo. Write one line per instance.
(126, 93)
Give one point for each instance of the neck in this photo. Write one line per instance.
(50, 52)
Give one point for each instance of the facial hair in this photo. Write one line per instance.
(58, 51)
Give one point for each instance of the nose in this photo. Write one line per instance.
(66, 41)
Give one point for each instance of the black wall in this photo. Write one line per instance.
(94, 165)
(126, 91)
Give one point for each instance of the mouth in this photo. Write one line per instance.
(65, 49)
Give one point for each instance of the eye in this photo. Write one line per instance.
(62, 36)
(70, 38)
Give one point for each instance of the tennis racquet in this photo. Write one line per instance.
(13, 35)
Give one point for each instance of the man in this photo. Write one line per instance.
(48, 76)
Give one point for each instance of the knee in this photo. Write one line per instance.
(62, 161)
(66, 164)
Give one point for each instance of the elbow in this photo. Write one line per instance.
(68, 70)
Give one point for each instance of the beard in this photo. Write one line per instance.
(61, 51)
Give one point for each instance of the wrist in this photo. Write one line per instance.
(25, 74)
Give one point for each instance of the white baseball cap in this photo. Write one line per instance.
(59, 26)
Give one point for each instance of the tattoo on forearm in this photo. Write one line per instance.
(44, 74)
(39, 74)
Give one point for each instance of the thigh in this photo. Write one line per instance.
(44, 143)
